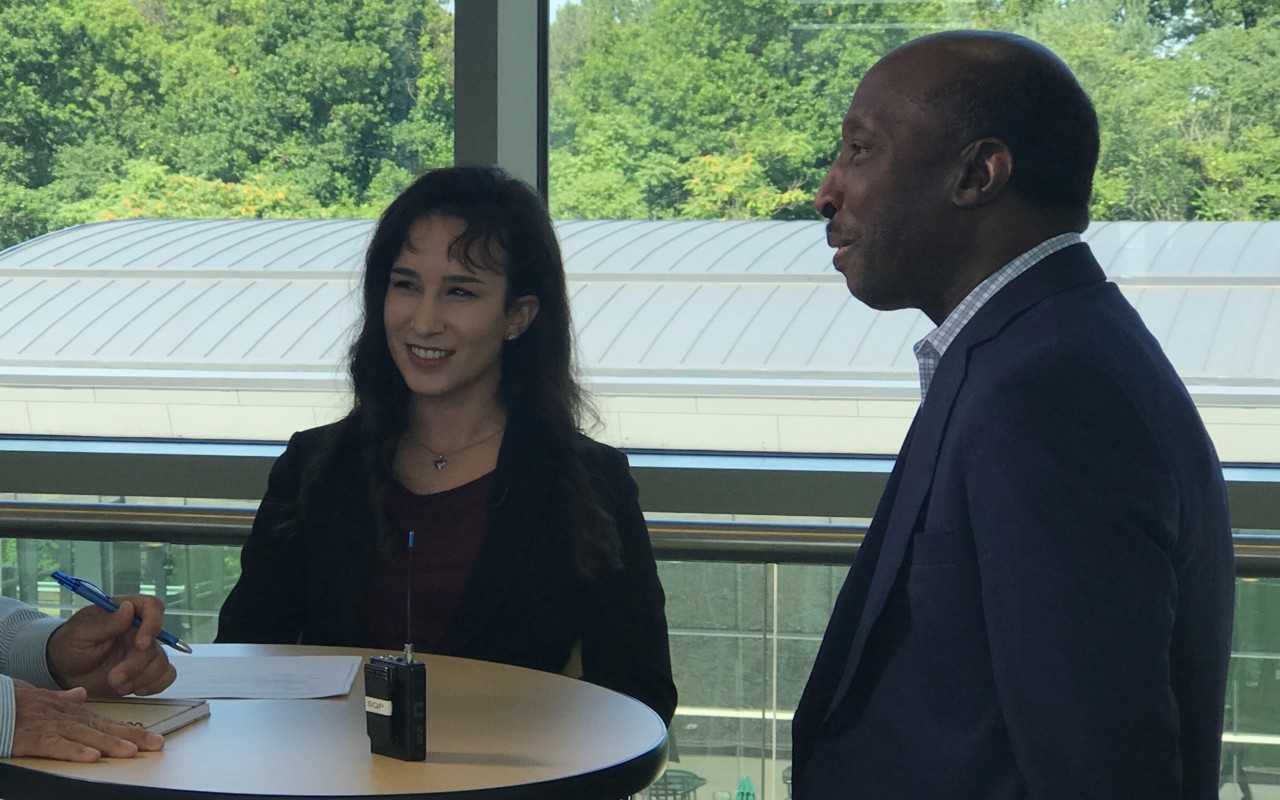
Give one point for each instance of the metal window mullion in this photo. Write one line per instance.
(500, 86)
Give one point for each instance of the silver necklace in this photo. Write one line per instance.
(441, 460)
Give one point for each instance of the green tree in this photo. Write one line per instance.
(149, 189)
(700, 108)
(659, 108)
(1233, 123)
(335, 103)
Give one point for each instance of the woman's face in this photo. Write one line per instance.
(446, 324)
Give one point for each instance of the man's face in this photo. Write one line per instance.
(887, 195)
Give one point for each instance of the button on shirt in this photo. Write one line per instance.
(930, 349)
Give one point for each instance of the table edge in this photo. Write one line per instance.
(635, 774)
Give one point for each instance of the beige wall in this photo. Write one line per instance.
(864, 426)
(165, 413)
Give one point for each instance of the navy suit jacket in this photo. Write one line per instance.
(1042, 606)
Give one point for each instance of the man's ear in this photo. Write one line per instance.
(520, 315)
(985, 168)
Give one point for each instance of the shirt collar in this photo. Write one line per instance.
(933, 346)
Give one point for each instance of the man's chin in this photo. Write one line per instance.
(861, 284)
(855, 281)
(874, 297)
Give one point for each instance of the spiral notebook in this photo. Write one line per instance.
(156, 715)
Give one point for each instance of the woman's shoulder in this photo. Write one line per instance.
(532, 440)
(338, 433)
(597, 453)
(315, 462)
(324, 444)
(608, 468)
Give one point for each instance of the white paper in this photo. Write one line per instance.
(262, 677)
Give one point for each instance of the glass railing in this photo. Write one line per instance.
(745, 620)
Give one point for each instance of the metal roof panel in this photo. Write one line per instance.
(649, 298)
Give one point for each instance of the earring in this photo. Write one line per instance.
(511, 337)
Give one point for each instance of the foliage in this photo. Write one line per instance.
(113, 108)
(149, 189)
(697, 108)
(659, 108)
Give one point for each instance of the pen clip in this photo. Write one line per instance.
(80, 586)
(89, 587)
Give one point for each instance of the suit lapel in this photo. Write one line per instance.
(1066, 269)
(850, 603)
(920, 454)
(349, 551)
(1073, 266)
(515, 533)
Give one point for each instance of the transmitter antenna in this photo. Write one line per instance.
(395, 692)
(408, 606)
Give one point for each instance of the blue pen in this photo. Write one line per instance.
(100, 599)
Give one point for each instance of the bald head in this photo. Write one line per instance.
(1002, 86)
(958, 152)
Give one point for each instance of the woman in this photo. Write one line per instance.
(527, 536)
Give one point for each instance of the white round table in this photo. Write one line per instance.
(493, 731)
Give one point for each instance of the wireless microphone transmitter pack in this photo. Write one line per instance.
(395, 696)
(395, 706)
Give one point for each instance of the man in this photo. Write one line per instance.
(1042, 605)
(97, 653)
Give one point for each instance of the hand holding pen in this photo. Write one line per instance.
(97, 648)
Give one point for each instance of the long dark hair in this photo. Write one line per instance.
(506, 229)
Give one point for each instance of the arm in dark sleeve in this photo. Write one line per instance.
(268, 603)
(1074, 513)
(624, 642)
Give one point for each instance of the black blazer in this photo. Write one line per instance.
(1042, 606)
(305, 580)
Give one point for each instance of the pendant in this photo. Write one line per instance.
(440, 463)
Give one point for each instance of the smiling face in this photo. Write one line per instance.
(888, 193)
(446, 323)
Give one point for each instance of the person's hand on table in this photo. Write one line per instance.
(103, 653)
(58, 725)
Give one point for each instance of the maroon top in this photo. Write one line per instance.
(448, 531)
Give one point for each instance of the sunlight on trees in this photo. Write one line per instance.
(701, 109)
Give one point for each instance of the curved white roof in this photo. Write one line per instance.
(744, 307)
